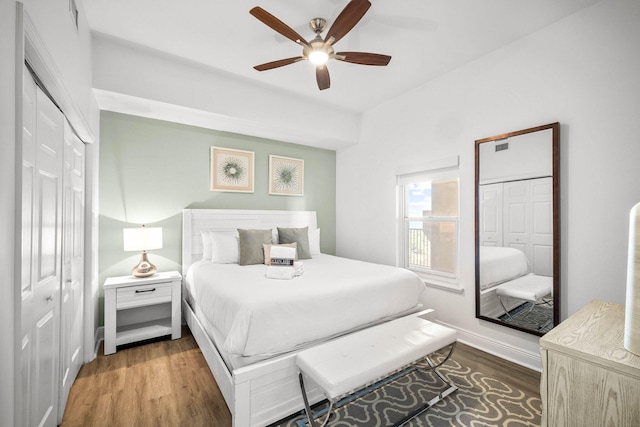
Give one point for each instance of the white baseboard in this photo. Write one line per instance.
(498, 348)
(98, 337)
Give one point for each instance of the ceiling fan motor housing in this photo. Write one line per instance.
(318, 25)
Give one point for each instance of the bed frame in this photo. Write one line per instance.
(263, 392)
(266, 391)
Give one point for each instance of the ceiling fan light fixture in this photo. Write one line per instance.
(320, 50)
(318, 57)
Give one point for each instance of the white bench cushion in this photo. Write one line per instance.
(350, 362)
(530, 287)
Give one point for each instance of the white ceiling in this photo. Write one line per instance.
(426, 38)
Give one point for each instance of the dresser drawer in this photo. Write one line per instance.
(139, 296)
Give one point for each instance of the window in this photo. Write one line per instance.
(429, 225)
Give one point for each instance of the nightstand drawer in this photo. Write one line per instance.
(139, 296)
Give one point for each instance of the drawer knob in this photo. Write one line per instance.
(141, 291)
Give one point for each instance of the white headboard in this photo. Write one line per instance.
(195, 221)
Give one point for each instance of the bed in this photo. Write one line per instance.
(250, 328)
(499, 265)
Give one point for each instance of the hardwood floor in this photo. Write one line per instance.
(168, 383)
(162, 383)
(509, 373)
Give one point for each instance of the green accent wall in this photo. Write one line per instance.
(150, 170)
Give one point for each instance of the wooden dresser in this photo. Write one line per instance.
(588, 378)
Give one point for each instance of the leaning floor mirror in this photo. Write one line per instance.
(518, 229)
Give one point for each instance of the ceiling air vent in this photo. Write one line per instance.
(502, 147)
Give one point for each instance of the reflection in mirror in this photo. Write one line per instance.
(517, 229)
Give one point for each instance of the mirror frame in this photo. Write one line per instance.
(555, 127)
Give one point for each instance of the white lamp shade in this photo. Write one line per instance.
(142, 238)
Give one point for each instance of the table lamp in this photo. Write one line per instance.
(143, 239)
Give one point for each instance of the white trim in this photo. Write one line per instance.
(512, 178)
(499, 349)
(431, 166)
(98, 337)
(429, 175)
(432, 282)
(142, 107)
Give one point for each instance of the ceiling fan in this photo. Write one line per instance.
(320, 50)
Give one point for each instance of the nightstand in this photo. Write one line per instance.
(588, 378)
(137, 309)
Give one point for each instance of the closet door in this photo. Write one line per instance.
(29, 113)
(528, 221)
(71, 310)
(41, 256)
(490, 214)
(542, 226)
(517, 215)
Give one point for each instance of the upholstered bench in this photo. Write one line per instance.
(530, 287)
(350, 363)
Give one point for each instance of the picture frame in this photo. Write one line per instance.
(232, 170)
(286, 176)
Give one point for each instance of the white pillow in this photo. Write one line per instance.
(206, 245)
(314, 241)
(274, 236)
(224, 247)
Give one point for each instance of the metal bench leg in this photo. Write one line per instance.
(505, 308)
(452, 388)
(307, 408)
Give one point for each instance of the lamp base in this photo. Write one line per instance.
(144, 267)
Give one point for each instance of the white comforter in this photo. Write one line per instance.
(260, 316)
(499, 264)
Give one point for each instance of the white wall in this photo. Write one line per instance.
(581, 71)
(67, 50)
(168, 88)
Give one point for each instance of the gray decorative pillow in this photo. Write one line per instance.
(251, 242)
(298, 235)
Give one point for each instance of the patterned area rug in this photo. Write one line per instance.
(479, 401)
(540, 318)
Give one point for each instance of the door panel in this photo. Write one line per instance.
(29, 113)
(46, 241)
(491, 215)
(72, 265)
(517, 219)
(542, 227)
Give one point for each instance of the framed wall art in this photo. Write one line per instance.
(286, 176)
(232, 170)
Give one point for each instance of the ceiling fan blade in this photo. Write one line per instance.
(277, 25)
(278, 63)
(363, 58)
(322, 77)
(348, 18)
